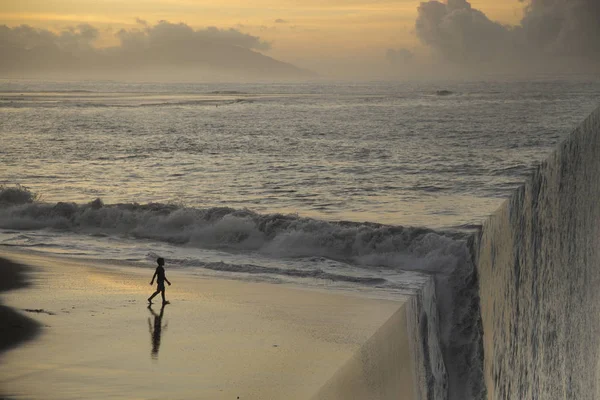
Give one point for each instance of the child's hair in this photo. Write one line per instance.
(160, 260)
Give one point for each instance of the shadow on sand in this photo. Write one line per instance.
(16, 328)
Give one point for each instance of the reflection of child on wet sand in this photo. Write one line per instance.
(155, 329)
(159, 274)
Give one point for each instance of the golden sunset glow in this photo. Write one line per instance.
(309, 33)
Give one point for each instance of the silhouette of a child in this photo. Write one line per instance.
(159, 274)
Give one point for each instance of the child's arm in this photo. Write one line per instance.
(153, 276)
(166, 280)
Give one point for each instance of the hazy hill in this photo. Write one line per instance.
(165, 51)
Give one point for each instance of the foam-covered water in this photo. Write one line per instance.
(374, 187)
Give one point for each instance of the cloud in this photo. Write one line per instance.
(459, 32)
(281, 21)
(563, 27)
(166, 46)
(551, 30)
(141, 21)
(181, 35)
(81, 37)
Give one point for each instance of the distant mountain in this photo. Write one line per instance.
(200, 61)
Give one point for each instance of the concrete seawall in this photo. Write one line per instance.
(538, 260)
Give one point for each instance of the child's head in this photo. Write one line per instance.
(160, 261)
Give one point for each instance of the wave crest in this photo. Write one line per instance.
(227, 228)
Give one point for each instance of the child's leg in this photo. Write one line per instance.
(163, 295)
(153, 295)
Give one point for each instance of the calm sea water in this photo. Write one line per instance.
(393, 153)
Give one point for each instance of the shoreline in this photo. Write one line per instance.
(217, 339)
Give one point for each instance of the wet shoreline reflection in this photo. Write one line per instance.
(156, 329)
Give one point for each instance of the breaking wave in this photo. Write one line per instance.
(226, 228)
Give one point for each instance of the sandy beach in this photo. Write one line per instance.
(84, 331)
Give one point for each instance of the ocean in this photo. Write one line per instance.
(358, 186)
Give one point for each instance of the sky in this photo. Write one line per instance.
(331, 37)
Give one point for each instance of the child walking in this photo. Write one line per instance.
(159, 274)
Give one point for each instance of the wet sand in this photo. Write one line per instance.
(218, 339)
